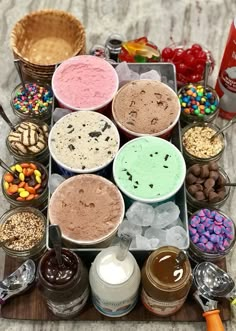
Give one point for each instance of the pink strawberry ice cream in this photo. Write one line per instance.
(85, 82)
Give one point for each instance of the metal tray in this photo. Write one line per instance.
(166, 70)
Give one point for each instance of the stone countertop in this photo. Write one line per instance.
(205, 22)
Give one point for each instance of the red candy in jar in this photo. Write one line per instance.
(189, 62)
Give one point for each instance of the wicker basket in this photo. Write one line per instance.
(44, 38)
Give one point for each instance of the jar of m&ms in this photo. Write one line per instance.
(205, 186)
(198, 104)
(28, 187)
(198, 147)
(189, 59)
(33, 102)
(29, 141)
(212, 235)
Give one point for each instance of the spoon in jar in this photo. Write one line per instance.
(6, 119)
(228, 125)
(206, 74)
(20, 73)
(8, 169)
(55, 237)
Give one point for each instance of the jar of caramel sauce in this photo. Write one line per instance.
(166, 281)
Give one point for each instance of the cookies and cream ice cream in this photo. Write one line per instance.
(86, 207)
(84, 141)
(145, 107)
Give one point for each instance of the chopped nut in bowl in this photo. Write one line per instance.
(197, 144)
(29, 141)
(23, 233)
(205, 184)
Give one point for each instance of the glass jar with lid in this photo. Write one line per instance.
(166, 281)
(23, 233)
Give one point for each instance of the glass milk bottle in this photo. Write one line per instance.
(114, 279)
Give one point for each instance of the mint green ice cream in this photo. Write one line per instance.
(149, 168)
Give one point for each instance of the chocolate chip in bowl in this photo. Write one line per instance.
(205, 186)
(198, 146)
(29, 141)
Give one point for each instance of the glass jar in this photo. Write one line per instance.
(23, 103)
(186, 117)
(194, 204)
(39, 202)
(114, 283)
(42, 156)
(28, 226)
(189, 59)
(65, 290)
(191, 158)
(166, 281)
(197, 255)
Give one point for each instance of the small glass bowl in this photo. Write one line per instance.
(39, 202)
(197, 255)
(194, 204)
(190, 158)
(38, 249)
(191, 71)
(190, 118)
(44, 116)
(41, 157)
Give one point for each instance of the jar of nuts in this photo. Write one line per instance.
(197, 144)
(212, 235)
(23, 233)
(28, 187)
(29, 141)
(205, 186)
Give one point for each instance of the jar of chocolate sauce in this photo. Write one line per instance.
(65, 287)
(166, 281)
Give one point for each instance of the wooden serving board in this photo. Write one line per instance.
(31, 306)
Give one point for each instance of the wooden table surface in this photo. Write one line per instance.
(206, 22)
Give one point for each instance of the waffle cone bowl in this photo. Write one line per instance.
(44, 38)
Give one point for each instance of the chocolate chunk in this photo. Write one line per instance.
(107, 138)
(207, 190)
(214, 174)
(71, 147)
(132, 103)
(195, 169)
(204, 172)
(95, 134)
(221, 180)
(199, 196)
(154, 121)
(109, 152)
(191, 179)
(213, 165)
(213, 197)
(151, 155)
(136, 182)
(192, 189)
(83, 167)
(135, 186)
(72, 130)
(151, 185)
(106, 126)
(69, 126)
(165, 166)
(166, 157)
(210, 182)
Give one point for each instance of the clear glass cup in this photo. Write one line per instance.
(190, 158)
(197, 255)
(41, 157)
(38, 249)
(44, 116)
(190, 118)
(194, 204)
(40, 202)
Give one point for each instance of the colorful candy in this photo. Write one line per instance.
(139, 50)
(209, 235)
(28, 184)
(197, 101)
(35, 100)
